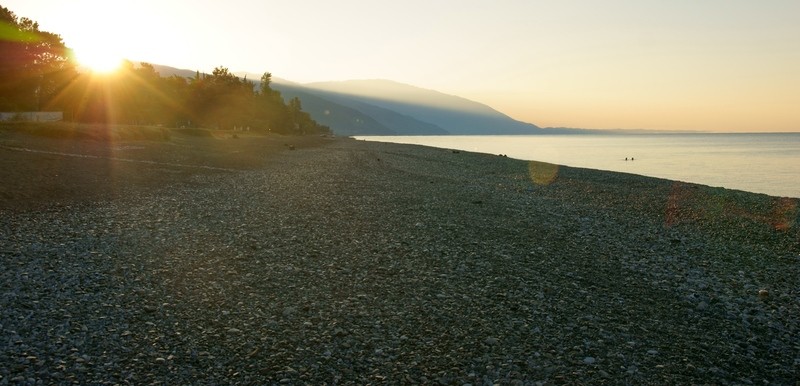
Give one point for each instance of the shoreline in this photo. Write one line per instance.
(676, 156)
(362, 262)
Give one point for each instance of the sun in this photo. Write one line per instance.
(99, 60)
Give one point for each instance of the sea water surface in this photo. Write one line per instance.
(761, 163)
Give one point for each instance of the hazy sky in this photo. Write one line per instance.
(712, 65)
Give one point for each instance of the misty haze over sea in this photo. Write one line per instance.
(761, 163)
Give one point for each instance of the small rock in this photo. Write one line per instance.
(491, 341)
(763, 293)
(589, 360)
(652, 352)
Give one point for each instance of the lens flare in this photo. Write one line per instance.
(542, 173)
(785, 214)
(690, 203)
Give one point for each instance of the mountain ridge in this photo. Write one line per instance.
(395, 122)
(387, 107)
(455, 114)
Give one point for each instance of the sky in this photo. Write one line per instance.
(704, 65)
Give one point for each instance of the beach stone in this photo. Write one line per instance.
(554, 273)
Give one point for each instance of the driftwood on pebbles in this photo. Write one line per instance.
(356, 263)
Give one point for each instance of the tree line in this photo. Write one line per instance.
(38, 73)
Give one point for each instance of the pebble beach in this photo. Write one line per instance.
(353, 262)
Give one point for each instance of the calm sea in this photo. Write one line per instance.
(762, 163)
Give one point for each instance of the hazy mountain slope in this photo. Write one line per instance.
(343, 120)
(384, 107)
(454, 114)
(400, 124)
(167, 71)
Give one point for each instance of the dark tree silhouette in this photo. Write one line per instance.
(37, 73)
(34, 65)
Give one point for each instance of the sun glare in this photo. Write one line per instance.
(99, 60)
